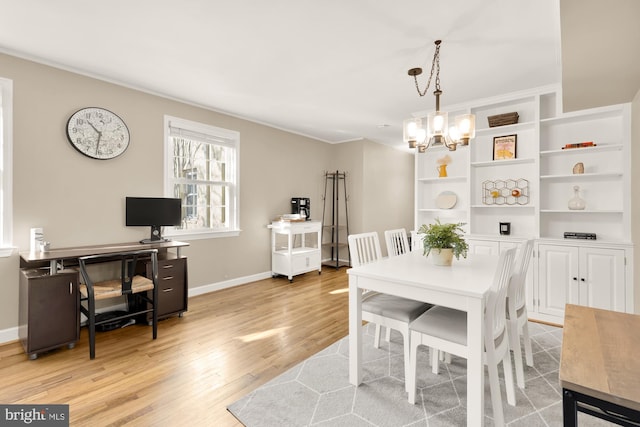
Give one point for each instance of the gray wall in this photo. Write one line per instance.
(80, 201)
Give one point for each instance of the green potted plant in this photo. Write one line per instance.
(445, 240)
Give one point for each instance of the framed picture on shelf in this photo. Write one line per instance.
(504, 147)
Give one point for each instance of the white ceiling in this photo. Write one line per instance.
(333, 70)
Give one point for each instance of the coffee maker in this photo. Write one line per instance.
(301, 206)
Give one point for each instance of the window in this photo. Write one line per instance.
(6, 162)
(201, 168)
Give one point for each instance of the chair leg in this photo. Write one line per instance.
(154, 315)
(91, 318)
(435, 360)
(388, 334)
(494, 386)
(508, 378)
(514, 344)
(376, 338)
(527, 342)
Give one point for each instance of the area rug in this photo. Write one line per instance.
(317, 391)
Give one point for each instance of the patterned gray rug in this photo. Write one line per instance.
(317, 392)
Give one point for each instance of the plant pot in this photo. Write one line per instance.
(442, 256)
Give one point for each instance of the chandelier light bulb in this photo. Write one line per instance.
(464, 125)
(454, 133)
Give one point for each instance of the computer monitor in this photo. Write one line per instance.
(154, 212)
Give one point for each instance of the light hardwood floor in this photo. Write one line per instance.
(227, 344)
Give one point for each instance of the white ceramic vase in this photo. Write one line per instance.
(442, 256)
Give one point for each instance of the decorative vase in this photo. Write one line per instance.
(442, 171)
(576, 203)
(442, 256)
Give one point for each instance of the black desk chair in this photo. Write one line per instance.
(141, 292)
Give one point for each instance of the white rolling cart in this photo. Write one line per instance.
(295, 247)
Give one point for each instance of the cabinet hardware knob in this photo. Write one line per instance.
(582, 279)
(575, 278)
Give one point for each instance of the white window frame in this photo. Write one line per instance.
(6, 163)
(215, 133)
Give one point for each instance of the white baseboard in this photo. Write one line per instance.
(8, 335)
(205, 289)
(11, 334)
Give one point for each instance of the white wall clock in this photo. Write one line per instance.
(98, 133)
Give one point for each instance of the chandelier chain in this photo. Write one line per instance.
(435, 66)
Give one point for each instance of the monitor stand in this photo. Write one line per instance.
(156, 236)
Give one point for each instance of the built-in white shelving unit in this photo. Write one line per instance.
(543, 162)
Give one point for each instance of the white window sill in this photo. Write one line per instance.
(198, 235)
(6, 251)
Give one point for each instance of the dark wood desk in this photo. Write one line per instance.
(49, 302)
(55, 256)
(600, 365)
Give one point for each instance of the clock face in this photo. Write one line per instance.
(97, 133)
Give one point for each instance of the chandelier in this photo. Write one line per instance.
(433, 130)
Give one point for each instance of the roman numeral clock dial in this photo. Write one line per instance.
(98, 133)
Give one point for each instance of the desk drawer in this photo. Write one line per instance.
(172, 286)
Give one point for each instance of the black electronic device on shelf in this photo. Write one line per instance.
(575, 235)
(154, 212)
(301, 206)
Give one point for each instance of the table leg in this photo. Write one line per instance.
(569, 409)
(355, 332)
(475, 365)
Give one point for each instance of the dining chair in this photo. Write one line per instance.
(390, 311)
(517, 315)
(141, 292)
(445, 329)
(397, 242)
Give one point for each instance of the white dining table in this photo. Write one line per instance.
(462, 286)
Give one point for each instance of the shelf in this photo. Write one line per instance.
(444, 180)
(441, 210)
(334, 245)
(582, 176)
(502, 206)
(506, 129)
(582, 116)
(492, 163)
(335, 264)
(597, 148)
(295, 251)
(580, 212)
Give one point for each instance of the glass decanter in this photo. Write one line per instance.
(576, 203)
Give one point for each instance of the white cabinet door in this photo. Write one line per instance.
(484, 247)
(589, 276)
(557, 278)
(602, 278)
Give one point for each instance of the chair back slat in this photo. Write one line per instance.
(364, 248)
(517, 291)
(496, 302)
(397, 242)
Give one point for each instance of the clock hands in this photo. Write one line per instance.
(99, 135)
